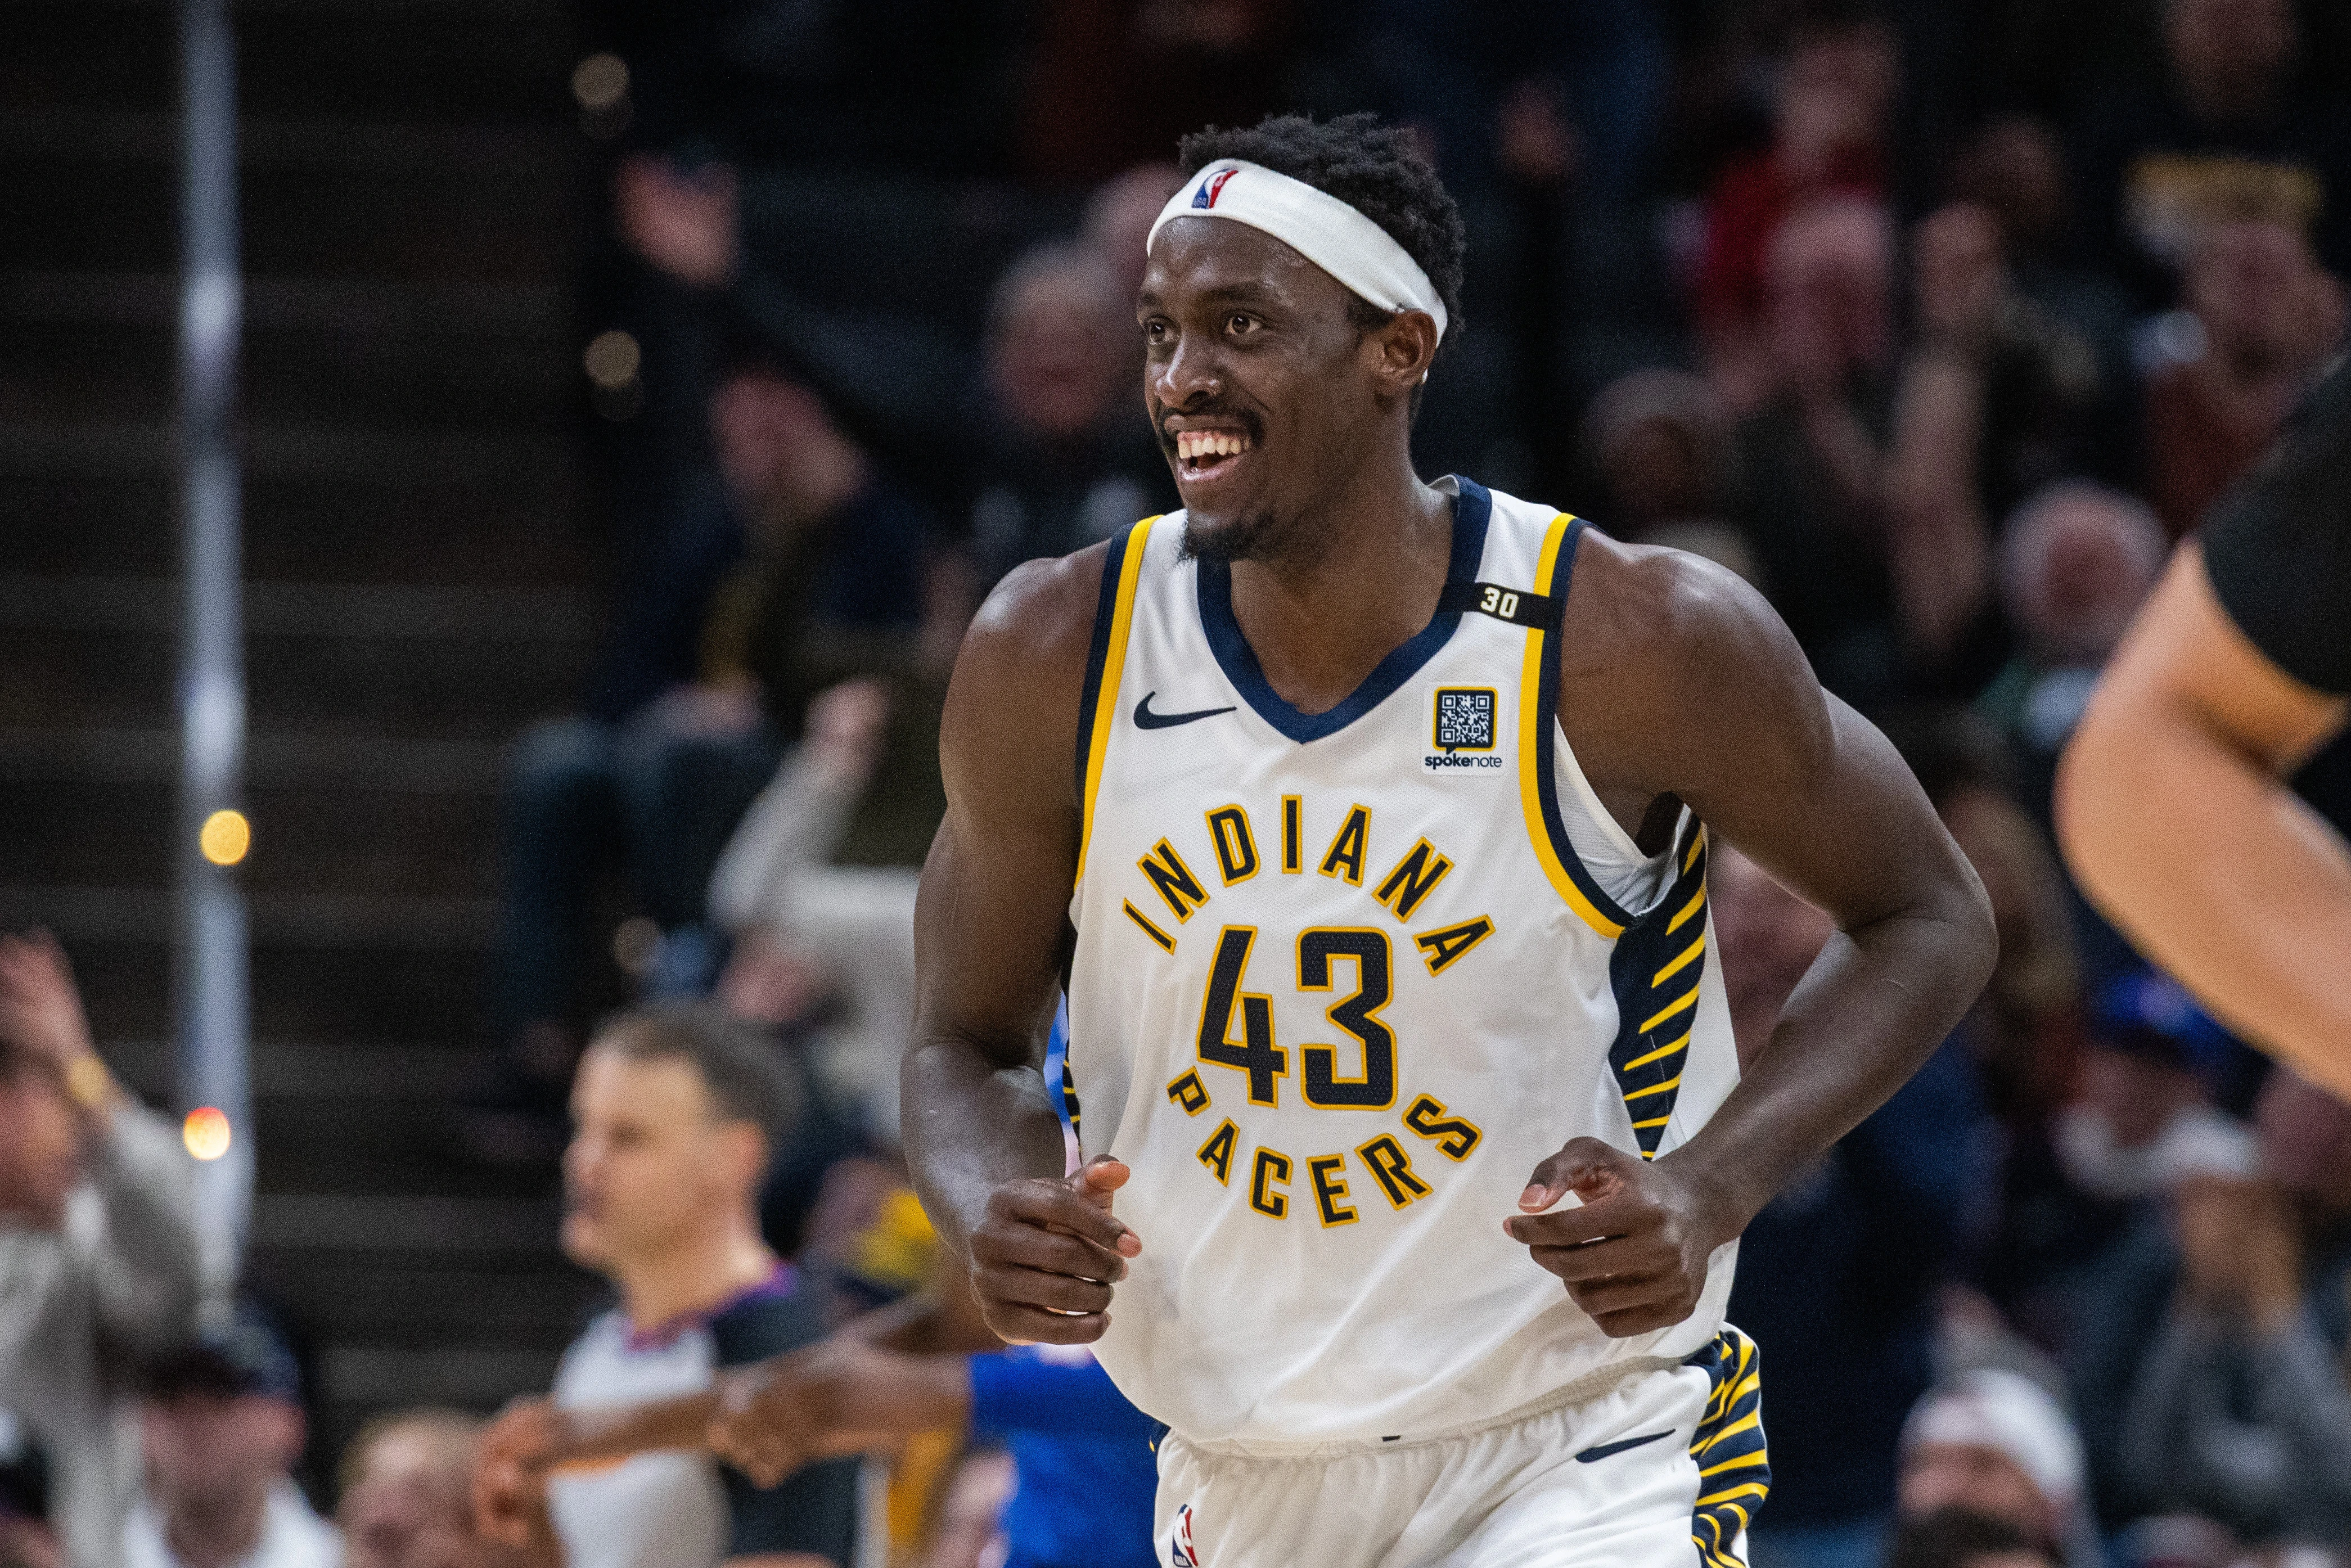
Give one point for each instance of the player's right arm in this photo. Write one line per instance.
(2173, 816)
(991, 932)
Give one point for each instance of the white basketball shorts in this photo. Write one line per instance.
(1663, 1470)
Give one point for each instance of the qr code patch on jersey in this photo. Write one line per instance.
(1465, 719)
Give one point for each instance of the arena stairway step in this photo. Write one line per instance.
(419, 586)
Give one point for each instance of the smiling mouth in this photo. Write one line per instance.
(1205, 454)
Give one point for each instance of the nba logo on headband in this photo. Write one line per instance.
(1211, 187)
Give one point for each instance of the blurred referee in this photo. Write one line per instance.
(2172, 800)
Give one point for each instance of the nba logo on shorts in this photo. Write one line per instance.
(1179, 1550)
(1465, 719)
(1212, 187)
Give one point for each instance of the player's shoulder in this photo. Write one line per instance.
(1650, 609)
(1042, 608)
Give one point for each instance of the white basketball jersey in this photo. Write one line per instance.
(1341, 981)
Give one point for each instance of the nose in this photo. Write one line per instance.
(1190, 373)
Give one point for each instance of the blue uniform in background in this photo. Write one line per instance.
(1083, 1456)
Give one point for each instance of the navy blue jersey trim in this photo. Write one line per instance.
(1098, 650)
(1472, 509)
(1547, 709)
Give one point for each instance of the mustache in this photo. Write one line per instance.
(1246, 418)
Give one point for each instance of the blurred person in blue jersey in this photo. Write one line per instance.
(98, 1253)
(677, 1108)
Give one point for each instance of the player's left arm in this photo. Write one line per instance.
(1678, 682)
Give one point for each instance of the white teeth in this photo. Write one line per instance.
(1192, 443)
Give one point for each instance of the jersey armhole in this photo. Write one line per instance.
(1539, 735)
(1105, 661)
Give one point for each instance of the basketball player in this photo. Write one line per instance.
(1367, 820)
(2171, 799)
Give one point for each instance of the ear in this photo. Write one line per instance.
(1402, 349)
(746, 1153)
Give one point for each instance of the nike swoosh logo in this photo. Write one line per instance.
(1145, 720)
(1604, 1449)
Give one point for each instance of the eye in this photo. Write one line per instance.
(1241, 323)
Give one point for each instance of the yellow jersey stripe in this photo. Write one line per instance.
(1130, 573)
(1685, 911)
(1681, 961)
(1534, 750)
(1663, 1051)
(1633, 1094)
(1688, 1000)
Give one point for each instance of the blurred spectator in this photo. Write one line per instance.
(833, 584)
(1661, 442)
(406, 1485)
(2238, 1409)
(2261, 322)
(1963, 1538)
(677, 1109)
(1995, 1444)
(1812, 454)
(221, 1428)
(2223, 133)
(1063, 455)
(1835, 90)
(2014, 167)
(1996, 399)
(2145, 1118)
(2074, 563)
(813, 941)
(1118, 220)
(1841, 1268)
(99, 1255)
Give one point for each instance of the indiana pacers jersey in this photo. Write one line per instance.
(1342, 979)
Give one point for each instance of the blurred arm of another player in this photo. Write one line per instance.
(1681, 687)
(2174, 819)
(881, 1377)
(991, 932)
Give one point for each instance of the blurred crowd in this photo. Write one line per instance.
(1939, 320)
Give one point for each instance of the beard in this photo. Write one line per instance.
(1254, 536)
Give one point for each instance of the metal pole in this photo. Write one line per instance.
(210, 994)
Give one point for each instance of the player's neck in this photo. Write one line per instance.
(1364, 580)
(696, 1274)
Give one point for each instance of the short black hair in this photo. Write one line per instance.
(739, 1067)
(1374, 169)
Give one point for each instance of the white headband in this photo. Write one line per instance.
(1315, 224)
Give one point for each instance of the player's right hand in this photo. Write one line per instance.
(1047, 1252)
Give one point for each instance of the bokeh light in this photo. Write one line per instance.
(207, 1133)
(613, 359)
(599, 81)
(225, 837)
